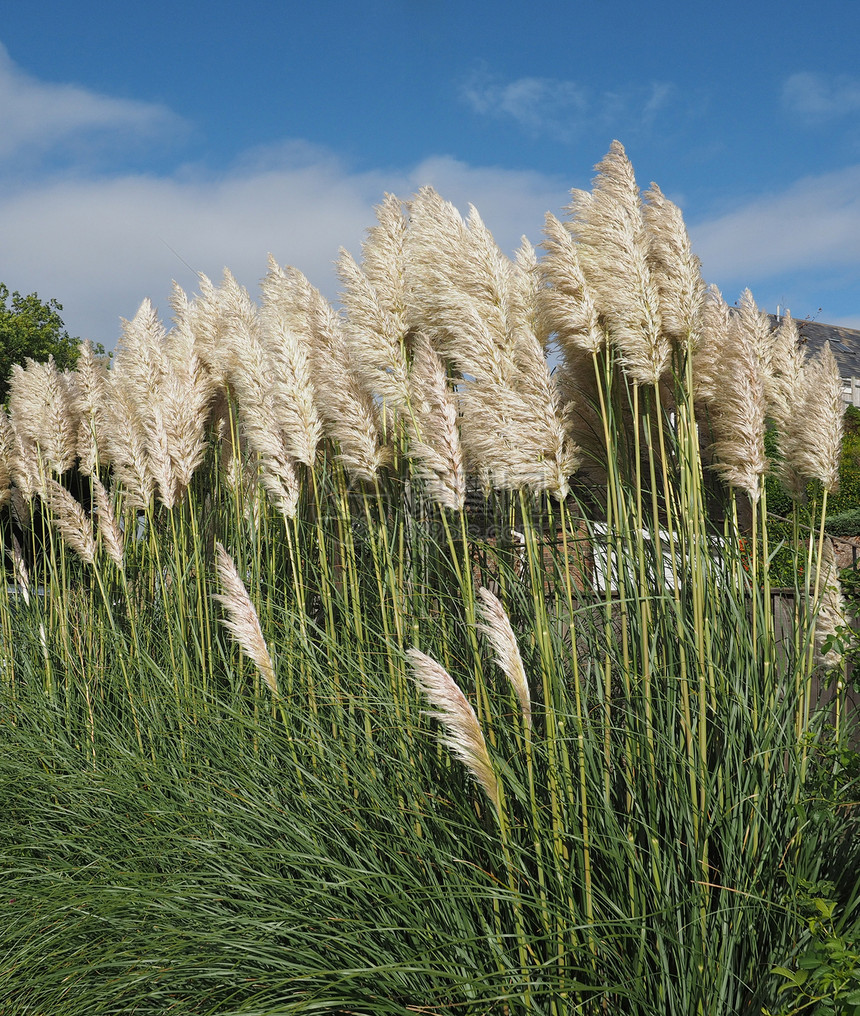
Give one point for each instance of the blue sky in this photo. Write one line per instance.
(144, 142)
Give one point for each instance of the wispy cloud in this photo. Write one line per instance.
(816, 97)
(38, 118)
(561, 108)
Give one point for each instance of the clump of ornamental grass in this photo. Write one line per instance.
(609, 804)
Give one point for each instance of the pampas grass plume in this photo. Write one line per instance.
(42, 408)
(832, 612)
(462, 732)
(823, 413)
(740, 403)
(90, 374)
(71, 521)
(435, 438)
(108, 528)
(6, 452)
(565, 302)
(676, 270)
(242, 620)
(496, 626)
(615, 256)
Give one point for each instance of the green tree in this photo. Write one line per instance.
(29, 327)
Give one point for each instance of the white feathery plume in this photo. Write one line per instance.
(20, 575)
(438, 274)
(25, 463)
(675, 269)
(614, 253)
(203, 318)
(288, 352)
(90, 374)
(374, 299)
(710, 350)
(757, 324)
(434, 435)
(461, 731)
(832, 612)
(108, 528)
(346, 406)
(140, 353)
(551, 455)
(242, 620)
(70, 520)
(261, 405)
(569, 312)
(565, 301)
(784, 381)
(480, 310)
(167, 376)
(141, 446)
(786, 393)
(458, 289)
(814, 443)
(6, 452)
(738, 411)
(190, 387)
(42, 409)
(126, 438)
(497, 627)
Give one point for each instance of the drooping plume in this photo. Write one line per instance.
(242, 620)
(70, 520)
(461, 731)
(496, 626)
(108, 528)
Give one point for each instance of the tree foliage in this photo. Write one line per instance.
(31, 328)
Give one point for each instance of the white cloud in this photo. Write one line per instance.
(815, 97)
(562, 108)
(813, 225)
(37, 117)
(101, 246)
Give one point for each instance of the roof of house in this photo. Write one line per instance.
(844, 343)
